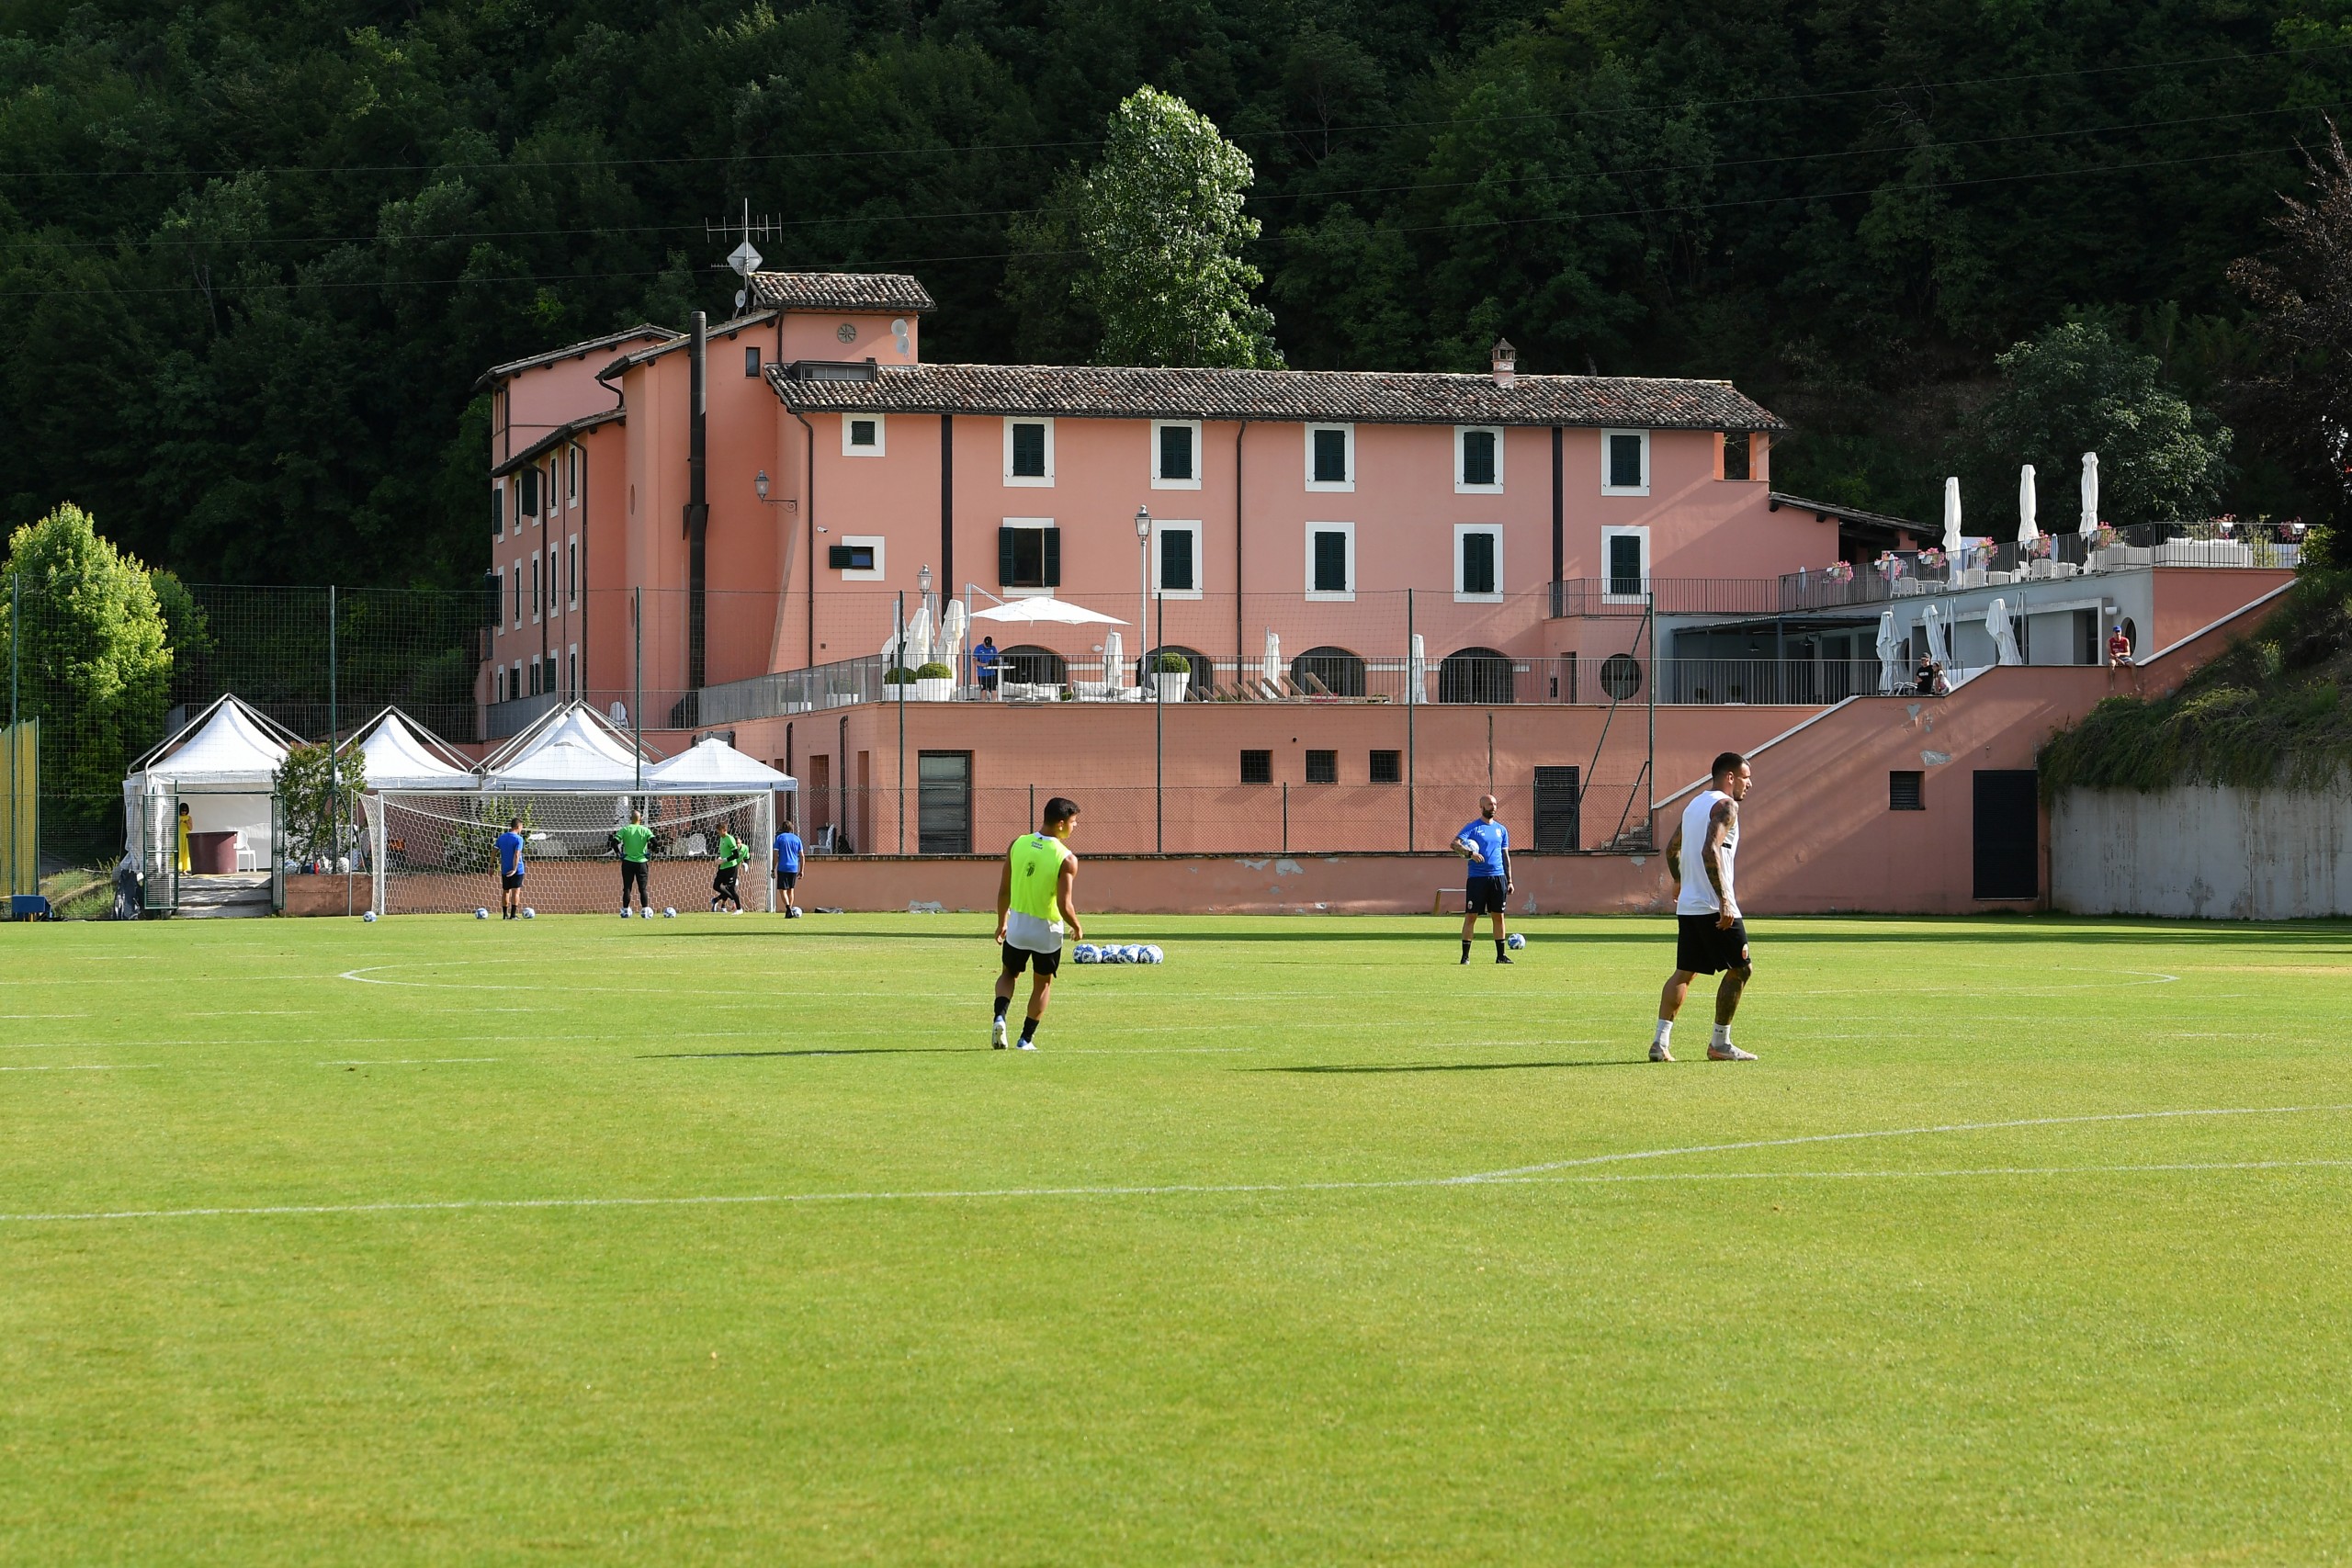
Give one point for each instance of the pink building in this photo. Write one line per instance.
(1390, 591)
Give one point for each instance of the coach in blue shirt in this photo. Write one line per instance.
(787, 864)
(1486, 844)
(510, 869)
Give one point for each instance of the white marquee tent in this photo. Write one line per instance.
(572, 747)
(710, 764)
(398, 754)
(224, 767)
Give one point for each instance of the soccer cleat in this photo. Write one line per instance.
(1502, 957)
(1027, 1045)
(996, 1034)
(1658, 1053)
(1729, 1053)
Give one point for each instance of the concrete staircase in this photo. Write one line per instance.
(246, 893)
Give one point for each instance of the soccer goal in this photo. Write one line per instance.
(437, 854)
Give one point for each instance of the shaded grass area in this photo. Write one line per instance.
(2269, 711)
(1201, 1279)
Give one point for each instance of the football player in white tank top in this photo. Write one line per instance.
(1710, 936)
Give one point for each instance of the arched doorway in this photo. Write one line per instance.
(1328, 672)
(1033, 666)
(1475, 675)
(1204, 670)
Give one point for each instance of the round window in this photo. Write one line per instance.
(846, 332)
(1620, 675)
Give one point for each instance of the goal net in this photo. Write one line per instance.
(437, 854)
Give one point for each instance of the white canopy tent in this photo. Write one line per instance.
(396, 753)
(572, 747)
(710, 765)
(222, 767)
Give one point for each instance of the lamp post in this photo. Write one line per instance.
(1143, 597)
(922, 582)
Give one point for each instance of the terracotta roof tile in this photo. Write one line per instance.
(839, 291)
(1371, 396)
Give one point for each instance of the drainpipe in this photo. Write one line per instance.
(698, 505)
(809, 518)
(1240, 637)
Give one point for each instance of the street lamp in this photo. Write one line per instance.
(760, 483)
(1143, 600)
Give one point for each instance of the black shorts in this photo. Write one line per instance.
(787, 880)
(724, 880)
(633, 875)
(507, 883)
(1483, 895)
(1019, 958)
(1705, 948)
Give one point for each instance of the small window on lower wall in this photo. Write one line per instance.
(1257, 767)
(1387, 767)
(1904, 791)
(1323, 767)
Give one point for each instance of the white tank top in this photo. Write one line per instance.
(1698, 893)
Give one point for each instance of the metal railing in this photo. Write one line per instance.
(841, 683)
(1906, 573)
(509, 719)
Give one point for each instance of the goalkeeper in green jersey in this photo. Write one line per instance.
(734, 854)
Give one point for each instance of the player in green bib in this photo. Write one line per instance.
(734, 855)
(634, 839)
(1035, 909)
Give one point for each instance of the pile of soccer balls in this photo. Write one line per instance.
(1112, 952)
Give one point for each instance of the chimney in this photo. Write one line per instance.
(1506, 363)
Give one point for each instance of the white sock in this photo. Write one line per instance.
(1664, 1028)
(1723, 1035)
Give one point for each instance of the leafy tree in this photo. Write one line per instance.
(321, 795)
(1161, 225)
(92, 661)
(2079, 388)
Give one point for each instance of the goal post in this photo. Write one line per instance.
(436, 853)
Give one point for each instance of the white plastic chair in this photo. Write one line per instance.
(245, 852)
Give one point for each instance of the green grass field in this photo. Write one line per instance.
(728, 1240)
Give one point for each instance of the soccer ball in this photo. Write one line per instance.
(530, 914)
(1154, 955)
(1515, 941)
(481, 914)
(669, 914)
(369, 917)
(792, 911)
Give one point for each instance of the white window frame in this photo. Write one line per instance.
(1156, 426)
(571, 670)
(517, 600)
(572, 476)
(1461, 532)
(1029, 481)
(1163, 525)
(537, 589)
(1607, 577)
(1608, 438)
(571, 572)
(1324, 596)
(1348, 484)
(1462, 487)
(514, 686)
(498, 487)
(1005, 590)
(881, 437)
(881, 567)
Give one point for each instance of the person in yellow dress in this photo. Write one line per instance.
(186, 823)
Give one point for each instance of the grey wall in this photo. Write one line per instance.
(2206, 852)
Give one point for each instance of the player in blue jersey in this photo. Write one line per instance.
(788, 851)
(1485, 845)
(510, 870)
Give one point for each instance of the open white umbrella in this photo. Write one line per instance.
(2090, 493)
(1952, 520)
(2026, 532)
(1417, 672)
(1114, 661)
(1044, 611)
(2005, 637)
(1890, 654)
(1270, 673)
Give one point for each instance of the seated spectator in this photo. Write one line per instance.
(2119, 648)
(1923, 679)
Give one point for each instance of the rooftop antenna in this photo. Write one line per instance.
(745, 259)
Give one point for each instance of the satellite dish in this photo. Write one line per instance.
(743, 259)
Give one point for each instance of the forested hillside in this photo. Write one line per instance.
(252, 259)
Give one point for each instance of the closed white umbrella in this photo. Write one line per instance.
(953, 625)
(1890, 654)
(1416, 673)
(2005, 637)
(911, 646)
(1939, 638)
(2090, 493)
(1115, 660)
(1270, 673)
(1044, 611)
(2026, 532)
(1952, 520)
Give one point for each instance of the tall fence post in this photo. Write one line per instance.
(636, 675)
(16, 734)
(334, 757)
(899, 657)
(1159, 736)
(1285, 816)
(1412, 701)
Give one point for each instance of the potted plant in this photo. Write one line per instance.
(934, 683)
(1175, 672)
(1839, 571)
(897, 675)
(1930, 560)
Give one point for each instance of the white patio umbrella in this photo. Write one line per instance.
(1890, 654)
(1115, 660)
(1044, 611)
(2026, 532)
(2005, 637)
(1270, 673)
(953, 625)
(1939, 638)
(911, 647)
(1417, 672)
(1952, 520)
(2090, 493)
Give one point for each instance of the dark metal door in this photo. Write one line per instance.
(1559, 795)
(2008, 834)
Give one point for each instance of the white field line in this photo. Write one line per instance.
(409, 1062)
(86, 1067)
(1539, 1175)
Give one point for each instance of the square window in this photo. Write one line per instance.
(1028, 555)
(1175, 454)
(1180, 559)
(1322, 767)
(571, 571)
(1904, 791)
(1257, 767)
(751, 361)
(1477, 459)
(1330, 557)
(1625, 563)
(863, 436)
(573, 456)
(857, 558)
(529, 479)
(498, 509)
(1735, 454)
(1626, 462)
(1328, 464)
(1477, 562)
(1387, 767)
(1029, 452)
